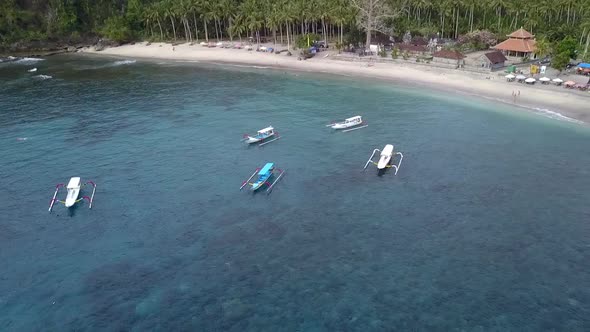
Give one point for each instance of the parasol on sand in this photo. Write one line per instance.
(557, 81)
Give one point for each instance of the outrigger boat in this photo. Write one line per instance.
(348, 124)
(263, 136)
(385, 159)
(73, 188)
(264, 175)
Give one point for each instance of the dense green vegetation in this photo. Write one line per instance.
(284, 21)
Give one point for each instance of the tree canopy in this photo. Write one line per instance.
(343, 20)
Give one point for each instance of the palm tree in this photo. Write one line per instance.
(226, 9)
(253, 18)
(237, 27)
(149, 18)
(183, 9)
(273, 20)
(205, 15)
(215, 14)
(543, 48)
(586, 26)
(340, 14)
(155, 11)
(171, 14)
(194, 8)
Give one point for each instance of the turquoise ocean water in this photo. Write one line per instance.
(486, 227)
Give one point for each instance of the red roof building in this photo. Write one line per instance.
(449, 57)
(416, 49)
(520, 43)
(448, 54)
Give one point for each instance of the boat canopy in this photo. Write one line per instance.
(353, 119)
(266, 169)
(584, 65)
(265, 130)
(74, 183)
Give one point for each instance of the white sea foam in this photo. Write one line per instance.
(123, 62)
(43, 77)
(541, 111)
(242, 66)
(555, 115)
(28, 60)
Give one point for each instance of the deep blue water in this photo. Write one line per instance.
(486, 227)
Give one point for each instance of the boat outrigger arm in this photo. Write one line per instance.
(270, 185)
(385, 159)
(70, 199)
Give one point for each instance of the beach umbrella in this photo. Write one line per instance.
(557, 80)
(520, 77)
(530, 80)
(544, 79)
(510, 76)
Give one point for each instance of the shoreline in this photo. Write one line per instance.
(546, 100)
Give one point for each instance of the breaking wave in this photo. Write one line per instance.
(123, 62)
(43, 77)
(28, 60)
(555, 115)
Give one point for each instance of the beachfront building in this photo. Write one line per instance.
(520, 43)
(493, 60)
(449, 57)
(412, 49)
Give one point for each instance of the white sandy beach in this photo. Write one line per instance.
(549, 99)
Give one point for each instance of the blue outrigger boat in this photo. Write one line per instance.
(264, 175)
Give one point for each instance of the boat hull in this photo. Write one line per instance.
(72, 197)
(343, 125)
(385, 157)
(257, 185)
(253, 139)
(260, 182)
(383, 162)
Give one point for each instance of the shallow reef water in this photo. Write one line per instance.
(484, 228)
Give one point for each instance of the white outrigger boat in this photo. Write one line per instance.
(385, 158)
(354, 123)
(263, 136)
(73, 188)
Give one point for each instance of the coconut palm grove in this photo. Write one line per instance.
(344, 22)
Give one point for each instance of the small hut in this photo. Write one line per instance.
(493, 60)
(449, 57)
